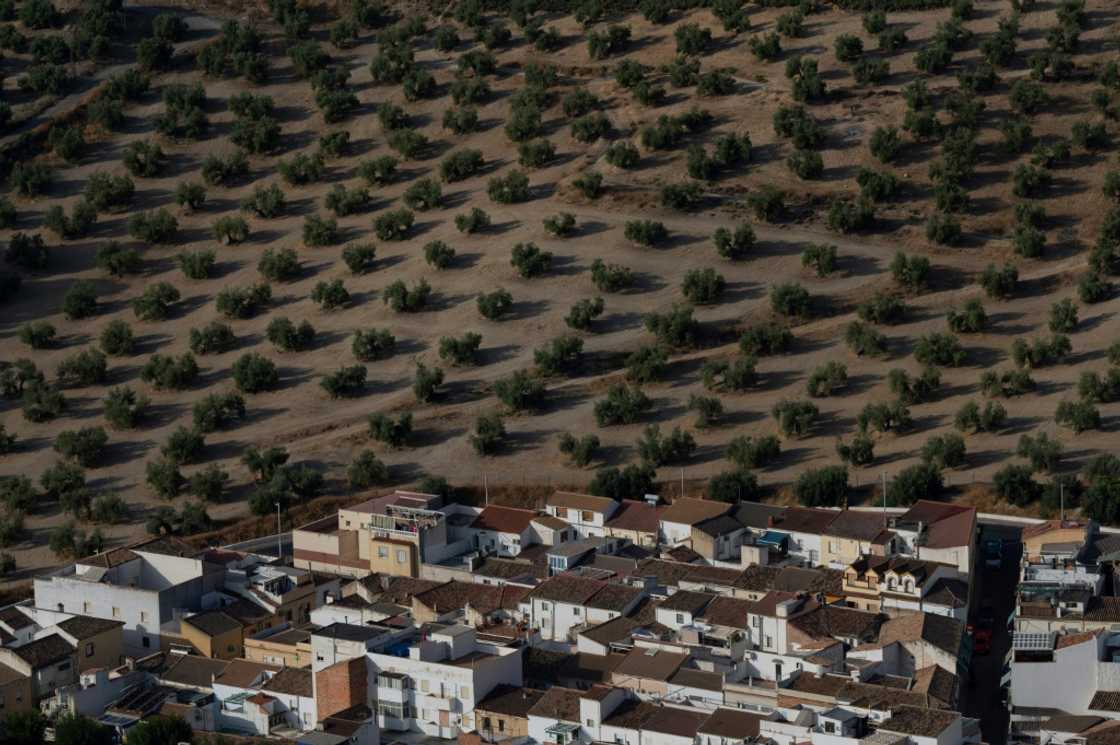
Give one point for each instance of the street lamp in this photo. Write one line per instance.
(279, 536)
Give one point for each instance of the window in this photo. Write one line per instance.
(424, 685)
(89, 649)
(230, 647)
(769, 641)
(544, 606)
(680, 618)
(576, 611)
(401, 556)
(85, 607)
(393, 709)
(573, 515)
(143, 617)
(464, 692)
(382, 552)
(486, 723)
(829, 727)
(501, 725)
(590, 722)
(588, 516)
(145, 642)
(116, 610)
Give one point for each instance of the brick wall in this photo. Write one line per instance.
(340, 686)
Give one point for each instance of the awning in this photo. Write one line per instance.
(773, 538)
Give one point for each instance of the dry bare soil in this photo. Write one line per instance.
(329, 433)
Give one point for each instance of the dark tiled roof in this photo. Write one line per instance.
(349, 632)
(830, 621)
(242, 673)
(15, 618)
(692, 511)
(635, 515)
(192, 670)
(687, 601)
(571, 500)
(631, 714)
(732, 723)
(804, 520)
(755, 514)
(730, 612)
(213, 622)
(1105, 701)
(510, 701)
(87, 627)
(109, 559)
(918, 721)
(500, 519)
(857, 525)
(952, 593)
(557, 703)
(400, 590)
(246, 612)
(294, 681)
(44, 651)
(684, 554)
(938, 683)
(942, 632)
(690, 677)
(717, 526)
(614, 597)
(614, 630)
(566, 589)
(651, 663)
(510, 569)
(673, 721)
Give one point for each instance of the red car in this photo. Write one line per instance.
(981, 640)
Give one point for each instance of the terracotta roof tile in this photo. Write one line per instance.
(499, 519)
(571, 500)
(635, 515)
(692, 511)
(294, 681)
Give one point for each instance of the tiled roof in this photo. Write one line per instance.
(243, 673)
(953, 530)
(683, 554)
(720, 525)
(937, 682)
(44, 651)
(690, 677)
(87, 627)
(614, 597)
(735, 724)
(687, 601)
(651, 663)
(677, 722)
(942, 632)
(918, 721)
(692, 511)
(729, 612)
(192, 670)
(510, 701)
(952, 593)
(571, 500)
(566, 589)
(1071, 640)
(557, 703)
(755, 514)
(1047, 526)
(804, 520)
(213, 623)
(499, 519)
(109, 559)
(510, 569)
(166, 545)
(1105, 701)
(551, 522)
(294, 681)
(15, 618)
(246, 612)
(614, 630)
(857, 525)
(831, 621)
(635, 515)
(631, 714)
(400, 590)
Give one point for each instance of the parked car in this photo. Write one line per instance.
(981, 641)
(993, 553)
(986, 617)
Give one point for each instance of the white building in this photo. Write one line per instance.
(432, 683)
(587, 514)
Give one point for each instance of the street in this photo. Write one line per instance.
(981, 696)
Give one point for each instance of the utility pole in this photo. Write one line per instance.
(485, 490)
(279, 535)
(884, 475)
(1062, 498)
(682, 483)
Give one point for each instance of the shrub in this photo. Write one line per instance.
(302, 169)
(360, 259)
(155, 302)
(819, 257)
(794, 418)
(734, 245)
(255, 373)
(243, 301)
(30, 179)
(999, 283)
(647, 364)
(1040, 352)
(1093, 288)
(197, 264)
(892, 417)
(460, 351)
(658, 450)
(462, 120)
(346, 382)
(753, 452)
(80, 300)
(971, 418)
(37, 334)
(378, 171)
(218, 411)
(1078, 416)
(330, 295)
(703, 286)
(392, 432)
(1043, 452)
(438, 254)
(512, 188)
(143, 158)
(645, 232)
(170, 373)
(1091, 387)
(611, 277)
(27, 251)
(912, 272)
(859, 452)
(561, 225)
(939, 349)
(426, 381)
(914, 483)
(623, 405)
(189, 195)
(1007, 383)
(790, 299)
(972, 319)
(461, 165)
(472, 222)
(494, 305)
(589, 184)
(225, 170)
(848, 47)
(736, 375)
(822, 487)
(826, 379)
(403, 299)
(156, 226)
(1063, 316)
(84, 446)
(288, 337)
(393, 225)
(675, 328)
(848, 216)
(766, 339)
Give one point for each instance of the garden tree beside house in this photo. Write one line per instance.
(822, 487)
